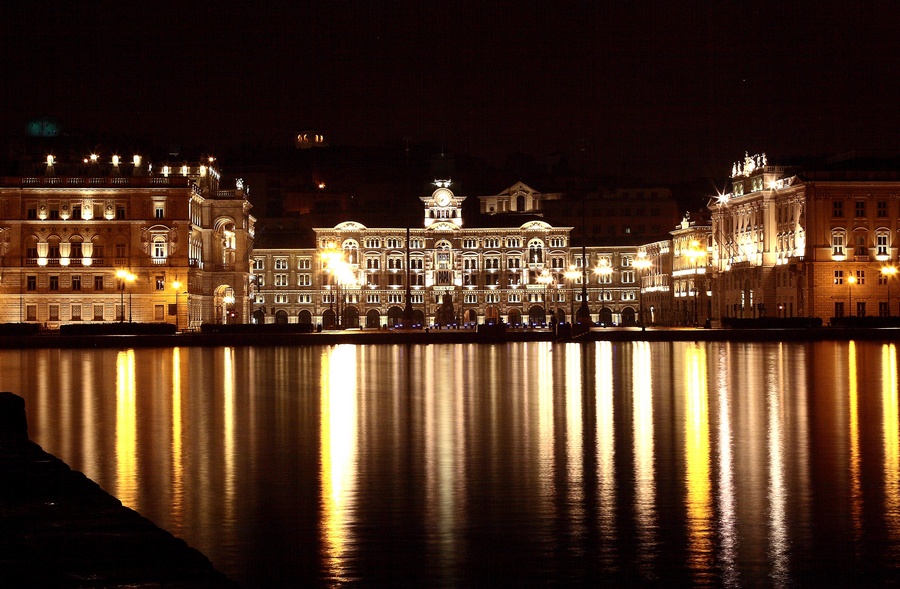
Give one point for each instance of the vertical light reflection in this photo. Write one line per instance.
(778, 533)
(855, 488)
(574, 441)
(547, 464)
(228, 377)
(126, 430)
(606, 452)
(644, 477)
(891, 419)
(339, 433)
(697, 457)
(177, 459)
(727, 514)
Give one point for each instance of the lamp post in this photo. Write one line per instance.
(546, 279)
(571, 275)
(889, 272)
(851, 280)
(176, 285)
(602, 271)
(124, 277)
(695, 253)
(642, 263)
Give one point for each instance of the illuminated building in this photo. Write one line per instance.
(456, 275)
(806, 242)
(110, 238)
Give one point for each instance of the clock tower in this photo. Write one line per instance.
(443, 206)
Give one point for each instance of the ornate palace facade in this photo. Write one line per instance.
(123, 241)
(451, 274)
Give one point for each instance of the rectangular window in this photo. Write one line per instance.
(159, 312)
(860, 308)
(881, 244)
(860, 277)
(861, 249)
(281, 279)
(54, 313)
(159, 211)
(304, 264)
(120, 212)
(76, 312)
(628, 276)
(304, 280)
(883, 309)
(837, 244)
(98, 312)
(120, 250)
(120, 312)
(54, 283)
(882, 208)
(98, 283)
(837, 208)
(281, 298)
(839, 277)
(76, 282)
(30, 312)
(31, 282)
(838, 309)
(860, 208)
(76, 212)
(32, 214)
(160, 283)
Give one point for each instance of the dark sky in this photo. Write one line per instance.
(666, 90)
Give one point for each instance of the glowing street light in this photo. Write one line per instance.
(889, 272)
(851, 280)
(125, 277)
(642, 263)
(546, 279)
(602, 271)
(572, 275)
(695, 253)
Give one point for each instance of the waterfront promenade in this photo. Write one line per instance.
(445, 336)
(59, 529)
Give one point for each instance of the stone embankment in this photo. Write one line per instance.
(60, 529)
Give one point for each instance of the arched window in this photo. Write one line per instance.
(351, 251)
(838, 243)
(535, 251)
(158, 248)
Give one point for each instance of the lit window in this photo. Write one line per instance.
(281, 280)
(281, 263)
(837, 244)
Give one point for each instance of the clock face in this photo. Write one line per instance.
(442, 197)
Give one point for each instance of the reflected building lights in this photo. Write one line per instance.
(606, 451)
(339, 448)
(126, 430)
(229, 444)
(855, 488)
(575, 379)
(777, 493)
(697, 463)
(177, 452)
(727, 513)
(891, 421)
(644, 475)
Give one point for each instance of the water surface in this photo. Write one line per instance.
(707, 464)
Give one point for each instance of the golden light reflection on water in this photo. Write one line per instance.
(575, 440)
(228, 377)
(891, 421)
(339, 454)
(697, 462)
(126, 429)
(853, 427)
(177, 457)
(644, 475)
(606, 451)
(777, 493)
(727, 515)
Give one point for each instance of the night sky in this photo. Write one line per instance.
(666, 91)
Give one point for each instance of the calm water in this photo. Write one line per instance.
(461, 465)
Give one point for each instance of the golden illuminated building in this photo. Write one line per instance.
(109, 238)
(816, 241)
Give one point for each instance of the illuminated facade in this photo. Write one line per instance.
(812, 243)
(357, 276)
(117, 240)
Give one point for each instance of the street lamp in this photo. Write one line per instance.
(176, 285)
(695, 253)
(342, 272)
(642, 263)
(572, 275)
(889, 272)
(851, 280)
(124, 277)
(546, 279)
(602, 271)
